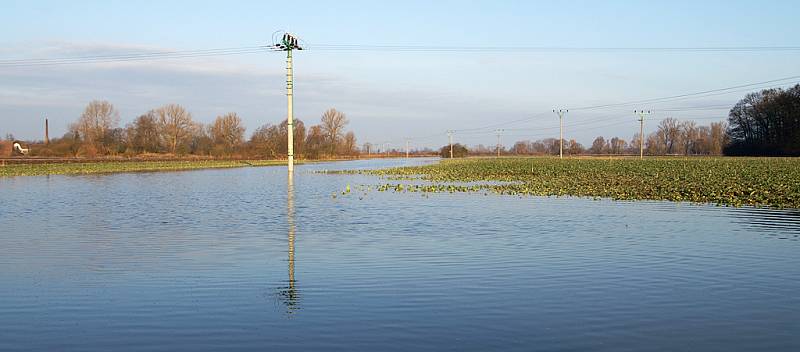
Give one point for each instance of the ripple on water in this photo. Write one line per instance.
(228, 259)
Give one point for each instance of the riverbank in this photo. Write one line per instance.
(773, 182)
(100, 167)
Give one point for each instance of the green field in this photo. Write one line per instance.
(126, 166)
(773, 182)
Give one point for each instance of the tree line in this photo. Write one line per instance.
(672, 137)
(172, 130)
(762, 123)
(766, 123)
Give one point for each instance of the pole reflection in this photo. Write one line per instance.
(289, 293)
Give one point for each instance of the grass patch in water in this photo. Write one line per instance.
(126, 166)
(773, 182)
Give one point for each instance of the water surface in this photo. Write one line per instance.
(244, 259)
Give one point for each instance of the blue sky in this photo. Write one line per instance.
(390, 96)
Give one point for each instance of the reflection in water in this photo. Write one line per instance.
(289, 293)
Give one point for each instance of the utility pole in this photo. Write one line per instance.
(288, 43)
(641, 114)
(561, 113)
(498, 132)
(407, 150)
(450, 141)
(46, 131)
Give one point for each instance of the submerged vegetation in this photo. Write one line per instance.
(126, 166)
(771, 182)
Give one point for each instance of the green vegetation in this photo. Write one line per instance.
(126, 166)
(771, 182)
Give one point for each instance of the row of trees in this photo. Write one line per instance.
(766, 123)
(171, 129)
(672, 137)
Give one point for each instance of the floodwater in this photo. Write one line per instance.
(245, 259)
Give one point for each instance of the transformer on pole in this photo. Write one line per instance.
(287, 43)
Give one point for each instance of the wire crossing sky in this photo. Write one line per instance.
(411, 70)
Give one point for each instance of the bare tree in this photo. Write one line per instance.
(654, 144)
(367, 148)
(200, 142)
(227, 131)
(689, 137)
(350, 146)
(333, 123)
(574, 148)
(175, 125)
(315, 141)
(718, 138)
(598, 146)
(143, 134)
(95, 123)
(669, 133)
(617, 145)
(271, 140)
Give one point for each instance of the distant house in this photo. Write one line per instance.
(18, 149)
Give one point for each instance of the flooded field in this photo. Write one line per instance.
(244, 259)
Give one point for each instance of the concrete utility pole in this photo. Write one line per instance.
(450, 141)
(561, 114)
(498, 132)
(46, 131)
(641, 114)
(407, 150)
(288, 43)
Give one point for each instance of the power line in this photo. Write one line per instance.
(546, 49)
(144, 56)
(680, 96)
(173, 54)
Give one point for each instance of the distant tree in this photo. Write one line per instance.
(551, 145)
(333, 123)
(689, 137)
(655, 144)
(115, 141)
(350, 146)
(315, 143)
(717, 138)
(668, 135)
(142, 134)
(96, 121)
(573, 147)
(175, 125)
(479, 149)
(766, 123)
(200, 142)
(521, 148)
(367, 148)
(617, 145)
(598, 146)
(459, 151)
(227, 132)
(272, 140)
(265, 141)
